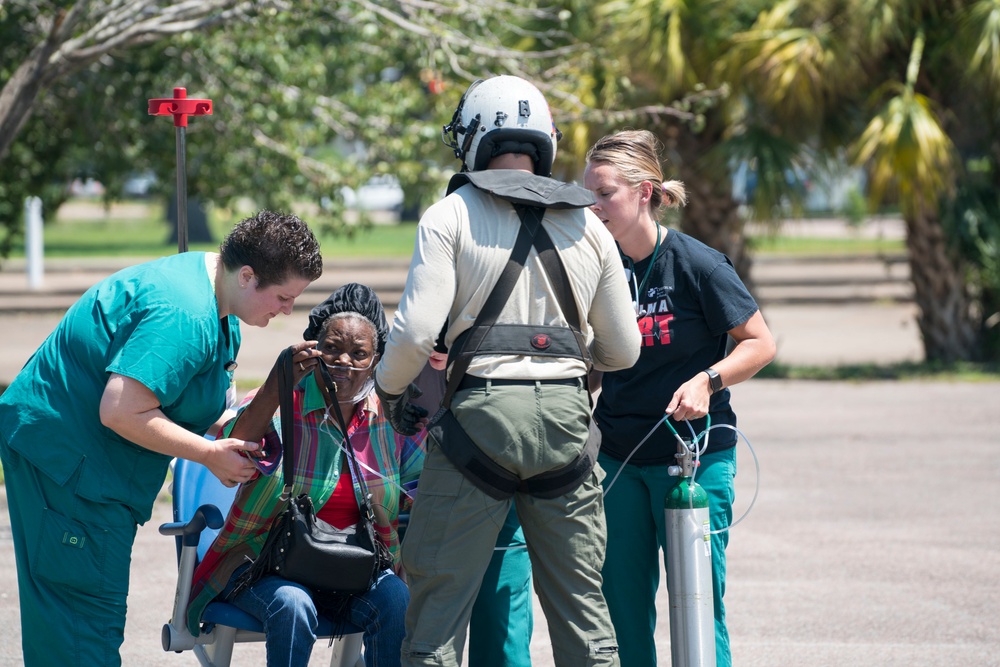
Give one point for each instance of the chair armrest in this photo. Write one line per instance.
(206, 516)
(175, 636)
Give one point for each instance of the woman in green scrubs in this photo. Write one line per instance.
(134, 375)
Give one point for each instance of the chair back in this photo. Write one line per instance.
(193, 486)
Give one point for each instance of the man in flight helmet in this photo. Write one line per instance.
(503, 115)
(526, 284)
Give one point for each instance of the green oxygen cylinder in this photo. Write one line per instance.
(689, 567)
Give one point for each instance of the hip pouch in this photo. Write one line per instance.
(495, 480)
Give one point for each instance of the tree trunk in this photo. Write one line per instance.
(945, 318)
(197, 219)
(20, 92)
(711, 215)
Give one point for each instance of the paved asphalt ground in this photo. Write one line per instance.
(874, 539)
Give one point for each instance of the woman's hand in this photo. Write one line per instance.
(439, 360)
(305, 358)
(130, 409)
(255, 419)
(228, 459)
(754, 349)
(691, 399)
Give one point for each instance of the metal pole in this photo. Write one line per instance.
(182, 220)
(180, 107)
(34, 241)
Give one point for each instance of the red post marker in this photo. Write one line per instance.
(180, 107)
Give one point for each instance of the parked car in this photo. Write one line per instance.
(380, 193)
(139, 185)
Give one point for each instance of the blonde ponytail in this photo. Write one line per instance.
(674, 194)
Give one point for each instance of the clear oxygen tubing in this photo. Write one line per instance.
(340, 440)
(365, 389)
(698, 450)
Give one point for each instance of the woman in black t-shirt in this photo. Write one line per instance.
(689, 302)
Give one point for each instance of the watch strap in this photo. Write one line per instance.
(714, 380)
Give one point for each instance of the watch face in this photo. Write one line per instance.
(714, 380)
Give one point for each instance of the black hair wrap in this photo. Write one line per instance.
(351, 298)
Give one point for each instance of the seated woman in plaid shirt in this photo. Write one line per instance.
(346, 332)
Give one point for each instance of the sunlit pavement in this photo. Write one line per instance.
(874, 540)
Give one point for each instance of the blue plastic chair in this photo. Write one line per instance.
(200, 505)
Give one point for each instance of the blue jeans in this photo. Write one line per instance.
(290, 618)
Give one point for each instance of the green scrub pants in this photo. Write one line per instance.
(453, 528)
(73, 558)
(501, 624)
(633, 507)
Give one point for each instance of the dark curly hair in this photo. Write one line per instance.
(277, 246)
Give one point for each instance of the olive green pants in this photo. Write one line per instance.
(528, 429)
(73, 558)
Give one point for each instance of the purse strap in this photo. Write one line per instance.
(286, 381)
(286, 408)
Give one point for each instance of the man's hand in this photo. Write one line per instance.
(405, 417)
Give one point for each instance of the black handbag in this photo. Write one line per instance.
(307, 550)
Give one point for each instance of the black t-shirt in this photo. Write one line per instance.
(692, 298)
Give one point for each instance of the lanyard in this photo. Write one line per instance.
(652, 259)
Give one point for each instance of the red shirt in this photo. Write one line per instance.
(341, 510)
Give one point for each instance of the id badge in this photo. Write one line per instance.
(231, 395)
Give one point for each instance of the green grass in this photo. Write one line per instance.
(904, 371)
(394, 240)
(817, 247)
(104, 238)
(147, 236)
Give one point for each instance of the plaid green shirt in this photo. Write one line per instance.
(317, 469)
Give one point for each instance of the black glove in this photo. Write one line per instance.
(404, 416)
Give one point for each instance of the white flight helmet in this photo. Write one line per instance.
(505, 114)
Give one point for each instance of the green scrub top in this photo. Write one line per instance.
(157, 323)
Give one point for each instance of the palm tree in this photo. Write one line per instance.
(676, 50)
(914, 105)
(665, 53)
(886, 78)
(904, 145)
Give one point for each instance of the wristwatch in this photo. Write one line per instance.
(714, 379)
